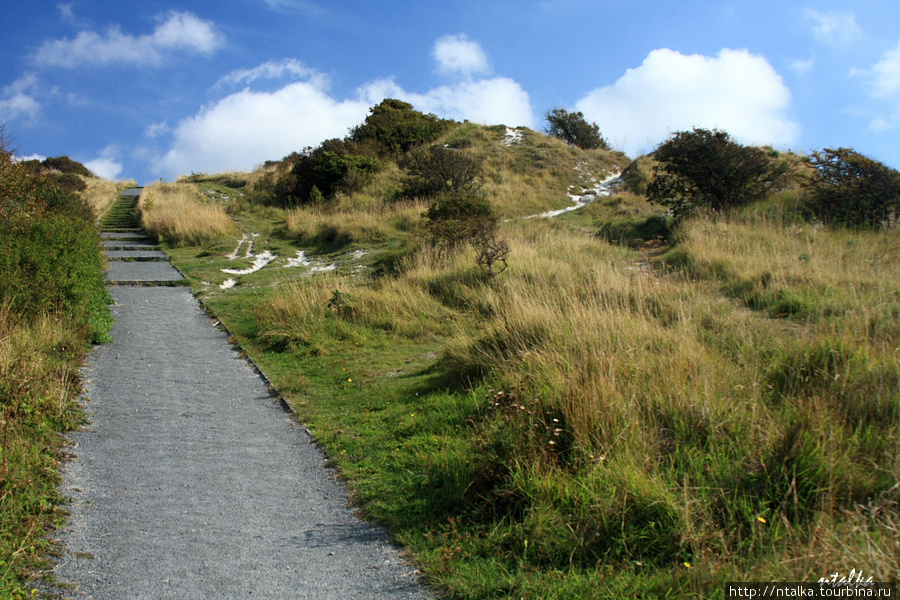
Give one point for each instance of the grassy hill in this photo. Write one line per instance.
(633, 407)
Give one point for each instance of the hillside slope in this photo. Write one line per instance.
(627, 409)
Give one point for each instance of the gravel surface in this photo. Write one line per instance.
(136, 254)
(122, 271)
(191, 482)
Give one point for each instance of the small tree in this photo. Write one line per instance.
(454, 220)
(573, 128)
(707, 169)
(851, 189)
(439, 170)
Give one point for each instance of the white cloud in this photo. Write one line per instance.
(288, 67)
(107, 168)
(495, 101)
(833, 29)
(884, 86)
(458, 54)
(176, 31)
(735, 91)
(18, 99)
(295, 6)
(886, 73)
(247, 128)
(107, 165)
(802, 67)
(154, 130)
(38, 157)
(65, 11)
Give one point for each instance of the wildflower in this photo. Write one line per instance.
(687, 564)
(349, 380)
(761, 520)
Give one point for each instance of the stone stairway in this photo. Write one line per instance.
(134, 259)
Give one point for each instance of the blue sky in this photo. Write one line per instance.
(155, 89)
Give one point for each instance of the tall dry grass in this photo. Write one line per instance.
(651, 416)
(101, 193)
(180, 215)
(368, 223)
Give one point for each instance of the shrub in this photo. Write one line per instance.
(64, 164)
(853, 189)
(394, 127)
(458, 219)
(332, 167)
(707, 169)
(573, 128)
(453, 219)
(440, 170)
(49, 251)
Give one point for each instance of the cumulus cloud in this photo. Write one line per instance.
(249, 127)
(833, 29)
(734, 91)
(175, 31)
(495, 101)
(18, 99)
(107, 165)
(457, 54)
(37, 157)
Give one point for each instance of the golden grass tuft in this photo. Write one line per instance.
(367, 224)
(180, 215)
(101, 193)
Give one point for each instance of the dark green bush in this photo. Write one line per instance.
(64, 164)
(332, 167)
(852, 189)
(394, 128)
(453, 219)
(702, 169)
(437, 170)
(69, 183)
(573, 128)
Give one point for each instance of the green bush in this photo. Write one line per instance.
(573, 128)
(50, 252)
(439, 170)
(703, 169)
(316, 175)
(64, 164)
(394, 128)
(852, 189)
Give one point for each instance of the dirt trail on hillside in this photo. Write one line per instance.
(191, 482)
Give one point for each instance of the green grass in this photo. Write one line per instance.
(627, 411)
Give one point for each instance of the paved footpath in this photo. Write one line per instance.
(191, 482)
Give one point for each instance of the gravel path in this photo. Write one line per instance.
(191, 482)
